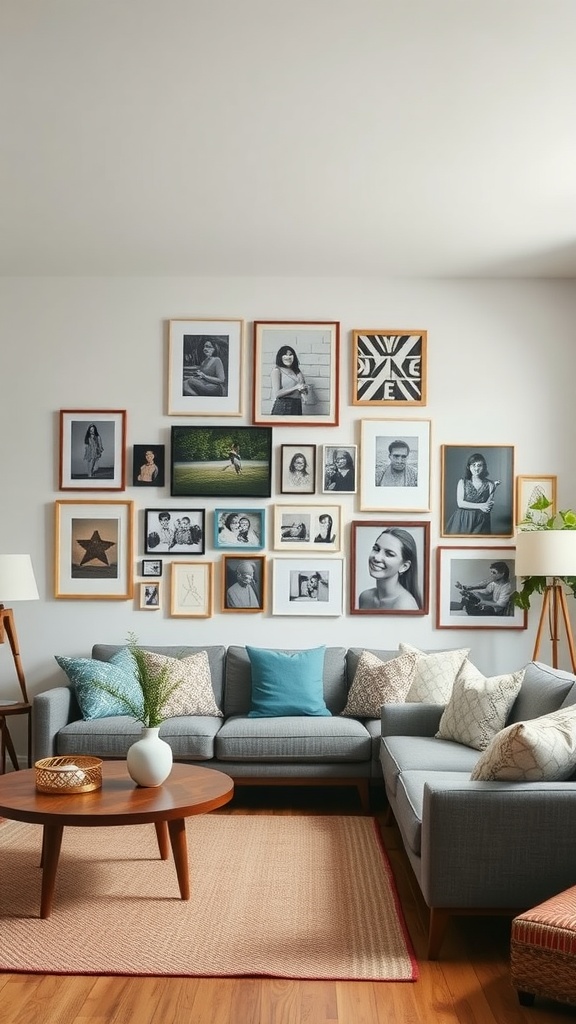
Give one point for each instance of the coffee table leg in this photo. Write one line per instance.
(162, 837)
(177, 831)
(51, 843)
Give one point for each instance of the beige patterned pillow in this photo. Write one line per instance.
(435, 674)
(478, 707)
(540, 750)
(194, 695)
(378, 682)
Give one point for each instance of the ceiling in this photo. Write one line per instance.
(288, 137)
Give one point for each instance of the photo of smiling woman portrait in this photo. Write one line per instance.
(389, 568)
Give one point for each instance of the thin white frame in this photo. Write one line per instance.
(330, 482)
(309, 517)
(288, 575)
(111, 427)
(191, 590)
(228, 334)
(446, 617)
(389, 367)
(376, 436)
(288, 452)
(146, 605)
(547, 484)
(317, 346)
(67, 538)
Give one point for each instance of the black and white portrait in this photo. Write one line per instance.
(477, 490)
(175, 531)
(389, 568)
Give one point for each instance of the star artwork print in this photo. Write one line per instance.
(94, 554)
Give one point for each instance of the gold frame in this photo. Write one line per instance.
(68, 587)
(178, 606)
(540, 478)
(381, 356)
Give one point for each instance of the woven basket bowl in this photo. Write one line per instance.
(54, 774)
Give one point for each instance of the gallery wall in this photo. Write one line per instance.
(500, 371)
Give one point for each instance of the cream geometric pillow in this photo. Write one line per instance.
(435, 674)
(478, 707)
(540, 750)
(378, 682)
(194, 694)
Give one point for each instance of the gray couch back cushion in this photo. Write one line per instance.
(238, 683)
(216, 658)
(543, 691)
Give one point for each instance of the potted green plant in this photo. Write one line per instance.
(539, 521)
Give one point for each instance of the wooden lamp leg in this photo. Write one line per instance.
(543, 616)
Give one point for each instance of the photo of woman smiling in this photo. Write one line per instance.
(390, 568)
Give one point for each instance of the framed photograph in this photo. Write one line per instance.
(243, 583)
(389, 367)
(297, 468)
(205, 367)
(395, 465)
(221, 462)
(192, 590)
(307, 586)
(477, 490)
(177, 531)
(150, 596)
(148, 465)
(389, 568)
(93, 550)
(151, 567)
(307, 528)
(239, 528)
(528, 490)
(92, 450)
(474, 587)
(339, 468)
(296, 373)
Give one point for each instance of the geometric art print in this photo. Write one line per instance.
(389, 368)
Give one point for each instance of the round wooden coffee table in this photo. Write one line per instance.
(188, 790)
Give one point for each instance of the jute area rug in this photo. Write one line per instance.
(285, 897)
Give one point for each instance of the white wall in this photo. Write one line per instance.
(501, 368)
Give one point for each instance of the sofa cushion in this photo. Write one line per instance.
(238, 684)
(434, 674)
(293, 738)
(216, 657)
(194, 694)
(479, 706)
(543, 690)
(88, 677)
(399, 754)
(379, 682)
(287, 683)
(538, 750)
(191, 737)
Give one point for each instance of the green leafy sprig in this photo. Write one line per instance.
(155, 685)
(537, 584)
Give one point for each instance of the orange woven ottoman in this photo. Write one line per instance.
(543, 950)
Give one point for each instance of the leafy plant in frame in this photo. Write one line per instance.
(537, 519)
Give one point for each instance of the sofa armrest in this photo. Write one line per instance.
(414, 719)
(51, 711)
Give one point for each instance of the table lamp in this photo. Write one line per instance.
(17, 583)
(550, 554)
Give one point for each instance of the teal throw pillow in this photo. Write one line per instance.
(287, 683)
(118, 673)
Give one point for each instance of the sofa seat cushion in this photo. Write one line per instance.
(191, 738)
(410, 800)
(410, 753)
(293, 738)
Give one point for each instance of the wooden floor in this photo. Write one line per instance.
(469, 984)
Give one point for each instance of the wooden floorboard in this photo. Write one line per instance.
(469, 984)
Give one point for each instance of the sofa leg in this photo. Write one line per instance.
(364, 793)
(436, 931)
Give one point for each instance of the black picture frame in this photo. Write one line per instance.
(203, 464)
(148, 472)
(151, 567)
(174, 531)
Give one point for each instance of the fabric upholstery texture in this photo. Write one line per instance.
(434, 674)
(288, 739)
(479, 706)
(88, 677)
(540, 750)
(543, 690)
(378, 682)
(287, 683)
(194, 694)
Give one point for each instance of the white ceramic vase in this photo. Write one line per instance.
(149, 759)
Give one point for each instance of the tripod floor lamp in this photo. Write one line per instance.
(550, 554)
(17, 583)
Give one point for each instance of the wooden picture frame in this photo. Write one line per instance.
(488, 510)
(307, 528)
(205, 367)
(151, 567)
(218, 462)
(174, 531)
(243, 583)
(389, 367)
(307, 586)
(191, 590)
(92, 450)
(395, 465)
(239, 529)
(461, 605)
(298, 469)
(528, 489)
(150, 596)
(93, 542)
(340, 469)
(148, 462)
(389, 568)
(312, 374)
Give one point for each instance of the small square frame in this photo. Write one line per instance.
(232, 598)
(150, 594)
(378, 437)
(528, 489)
(307, 528)
(343, 478)
(317, 346)
(165, 533)
(151, 567)
(104, 530)
(186, 340)
(465, 565)
(389, 367)
(226, 538)
(364, 599)
(307, 586)
(296, 478)
(96, 465)
(191, 590)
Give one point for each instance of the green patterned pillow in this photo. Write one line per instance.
(86, 673)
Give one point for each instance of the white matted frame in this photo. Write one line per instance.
(528, 490)
(150, 594)
(205, 367)
(389, 367)
(313, 376)
(462, 600)
(92, 450)
(307, 586)
(307, 528)
(191, 590)
(297, 469)
(385, 444)
(93, 550)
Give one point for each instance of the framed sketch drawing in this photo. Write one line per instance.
(221, 462)
(529, 489)
(243, 583)
(92, 450)
(477, 490)
(307, 586)
(296, 373)
(149, 596)
(175, 531)
(297, 468)
(389, 367)
(240, 529)
(474, 587)
(191, 590)
(389, 568)
(148, 465)
(205, 367)
(93, 550)
(395, 465)
(339, 468)
(307, 528)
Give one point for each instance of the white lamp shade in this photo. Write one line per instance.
(546, 553)
(17, 581)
